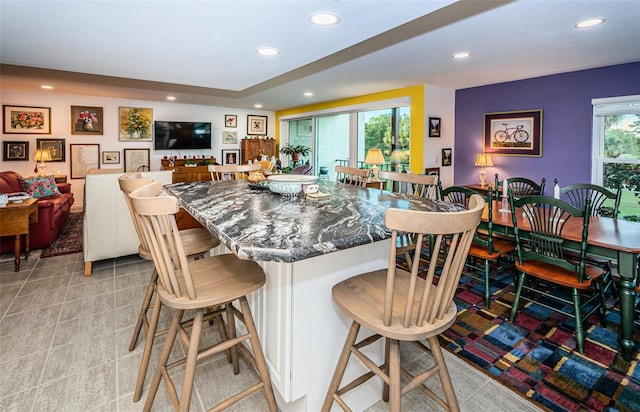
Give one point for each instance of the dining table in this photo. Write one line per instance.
(305, 247)
(615, 239)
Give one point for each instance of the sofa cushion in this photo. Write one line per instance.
(40, 186)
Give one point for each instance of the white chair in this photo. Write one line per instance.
(233, 172)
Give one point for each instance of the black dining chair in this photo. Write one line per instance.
(519, 186)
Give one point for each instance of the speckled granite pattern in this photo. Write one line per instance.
(263, 226)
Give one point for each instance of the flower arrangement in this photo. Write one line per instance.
(27, 120)
(135, 123)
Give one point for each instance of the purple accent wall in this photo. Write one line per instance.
(566, 125)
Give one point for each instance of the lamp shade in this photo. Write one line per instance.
(483, 159)
(374, 157)
(42, 156)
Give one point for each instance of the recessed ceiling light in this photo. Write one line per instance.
(46, 87)
(172, 98)
(461, 55)
(324, 18)
(308, 94)
(257, 106)
(268, 51)
(589, 23)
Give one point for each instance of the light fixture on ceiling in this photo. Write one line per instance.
(584, 24)
(257, 106)
(324, 18)
(308, 94)
(46, 87)
(461, 55)
(267, 51)
(171, 98)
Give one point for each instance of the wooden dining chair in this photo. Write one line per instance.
(196, 241)
(352, 176)
(543, 260)
(266, 166)
(233, 172)
(577, 195)
(402, 306)
(519, 186)
(489, 255)
(412, 185)
(201, 287)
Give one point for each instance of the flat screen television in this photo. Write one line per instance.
(181, 135)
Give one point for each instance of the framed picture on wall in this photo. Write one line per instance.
(136, 124)
(447, 156)
(257, 125)
(110, 158)
(136, 160)
(230, 120)
(435, 126)
(26, 120)
(56, 148)
(229, 137)
(15, 150)
(231, 157)
(432, 171)
(517, 133)
(83, 158)
(86, 120)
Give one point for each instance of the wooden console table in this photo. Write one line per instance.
(15, 219)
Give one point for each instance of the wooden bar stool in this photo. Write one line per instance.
(198, 286)
(197, 242)
(401, 306)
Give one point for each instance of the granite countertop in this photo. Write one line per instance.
(263, 226)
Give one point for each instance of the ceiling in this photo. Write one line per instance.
(204, 52)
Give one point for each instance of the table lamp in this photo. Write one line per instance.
(41, 156)
(374, 158)
(482, 160)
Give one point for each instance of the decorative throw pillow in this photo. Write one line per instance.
(40, 186)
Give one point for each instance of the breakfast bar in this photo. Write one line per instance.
(305, 247)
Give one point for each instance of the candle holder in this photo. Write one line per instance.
(504, 205)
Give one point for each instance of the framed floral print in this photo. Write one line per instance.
(230, 120)
(15, 150)
(55, 147)
(26, 120)
(136, 124)
(86, 120)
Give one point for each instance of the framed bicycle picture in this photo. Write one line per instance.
(517, 133)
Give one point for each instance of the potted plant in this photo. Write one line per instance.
(295, 151)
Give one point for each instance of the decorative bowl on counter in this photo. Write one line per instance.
(289, 185)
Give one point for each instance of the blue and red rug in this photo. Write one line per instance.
(536, 354)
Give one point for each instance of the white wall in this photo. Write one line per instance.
(439, 102)
(60, 105)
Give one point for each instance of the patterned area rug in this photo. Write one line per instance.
(536, 354)
(69, 239)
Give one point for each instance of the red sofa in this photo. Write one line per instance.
(52, 213)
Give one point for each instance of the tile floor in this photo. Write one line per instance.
(64, 344)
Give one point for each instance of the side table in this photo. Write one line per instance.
(14, 221)
(483, 190)
(60, 178)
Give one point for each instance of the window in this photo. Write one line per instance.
(616, 150)
(344, 138)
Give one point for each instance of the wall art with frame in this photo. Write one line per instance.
(231, 157)
(136, 160)
(447, 157)
(86, 120)
(135, 124)
(26, 120)
(432, 171)
(110, 158)
(83, 158)
(15, 150)
(56, 148)
(229, 137)
(516, 133)
(435, 126)
(257, 125)
(230, 120)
